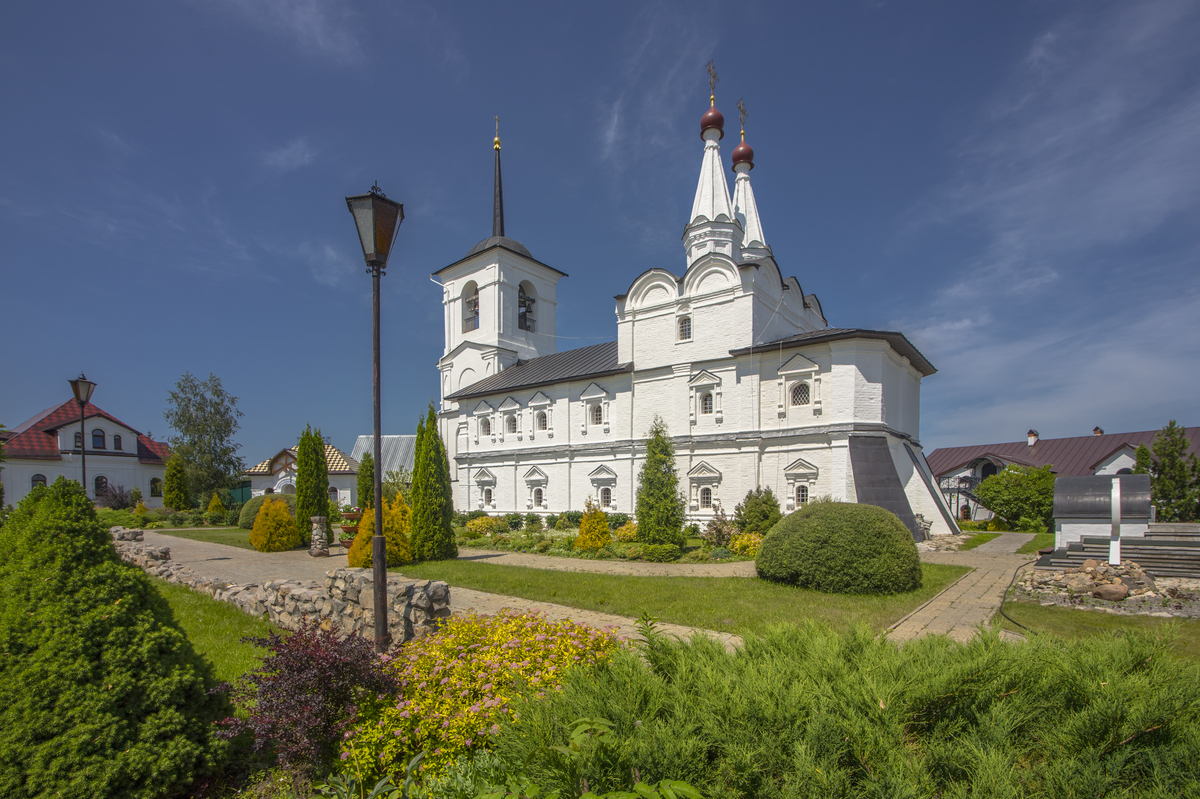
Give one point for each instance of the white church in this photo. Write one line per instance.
(755, 386)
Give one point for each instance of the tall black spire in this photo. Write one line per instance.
(498, 197)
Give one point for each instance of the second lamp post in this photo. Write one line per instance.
(377, 219)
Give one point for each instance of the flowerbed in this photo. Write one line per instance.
(456, 687)
(562, 544)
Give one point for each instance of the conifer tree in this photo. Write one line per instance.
(312, 482)
(366, 480)
(1174, 475)
(432, 507)
(175, 493)
(660, 507)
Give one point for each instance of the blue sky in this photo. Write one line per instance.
(1014, 185)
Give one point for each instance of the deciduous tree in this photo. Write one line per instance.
(1020, 495)
(660, 507)
(205, 417)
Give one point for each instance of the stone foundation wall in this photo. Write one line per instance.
(343, 601)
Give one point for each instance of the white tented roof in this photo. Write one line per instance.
(397, 452)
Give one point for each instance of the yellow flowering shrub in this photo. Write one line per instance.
(141, 508)
(274, 528)
(457, 685)
(397, 522)
(488, 525)
(593, 530)
(745, 545)
(627, 533)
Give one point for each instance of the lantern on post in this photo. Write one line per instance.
(82, 388)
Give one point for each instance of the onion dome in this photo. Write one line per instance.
(712, 119)
(743, 153)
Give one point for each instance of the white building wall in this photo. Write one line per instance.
(17, 474)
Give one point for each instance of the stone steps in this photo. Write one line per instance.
(1162, 557)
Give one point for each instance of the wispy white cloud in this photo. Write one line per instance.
(115, 143)
(321, 27)
(1082, 181)
(328, 265)
(291, 156)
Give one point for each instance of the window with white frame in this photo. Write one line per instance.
(79, 441)
(801, 495)
(470, 301)
(98, 439)
(510, 423)
(685, 328)
(333, 495)
(800, 394)
(155, 487)
(596, 413)
(706, 498)
(606, 497)
(525, 303)
(485, 426)
(101, 486)
(487, 497)
(541, 420)
(117, 443)
(706, 403)
(538, 496)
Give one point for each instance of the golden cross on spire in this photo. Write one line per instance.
(741, 106)
(496, 143)
(712, 82)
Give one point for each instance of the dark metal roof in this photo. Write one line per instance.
(503, 242)
(1091, 497)
(1076, 456)
(594, 361)
(897, 341)
(876, 481)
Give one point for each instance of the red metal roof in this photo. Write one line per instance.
(1068, 457)
(37, 438)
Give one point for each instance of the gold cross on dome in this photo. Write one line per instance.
(712, 79)
(741, 106)
(497, 126)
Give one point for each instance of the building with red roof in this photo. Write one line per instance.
(50, 445)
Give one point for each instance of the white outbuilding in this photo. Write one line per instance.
(277, 475)
(756, 388)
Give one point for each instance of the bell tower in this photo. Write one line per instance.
(499, 303)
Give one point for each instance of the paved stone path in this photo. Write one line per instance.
(971, 601)
(245, 566)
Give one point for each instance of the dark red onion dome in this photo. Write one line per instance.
(743, 153)
(712, 119)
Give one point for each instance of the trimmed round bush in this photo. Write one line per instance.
(660, 553)
(250, 509)
(841, 548)
(274, 529)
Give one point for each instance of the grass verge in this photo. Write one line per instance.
(1039, 541)
(230, 536)
(977, 539)
(1070, 623)
(216, 630)
(727, 604)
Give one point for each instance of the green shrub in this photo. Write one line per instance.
(196, 518)
(660, 553)
(630, 551)
(178, 519)
(214, 504)
(841, 548)
(807, 712)
(618, 520)
(488, 525)
(108, 517)
(101, 695)
(1019, 491)
(232, 517)
(250, 509)
(215, 518)
(552, 521)
(175, 493)
(574, 518)
(966, 525)
(660, 506)
(746, 545)
(758, 512)
(627, 533)
(274, 528)
(533, 523)
(514, 520)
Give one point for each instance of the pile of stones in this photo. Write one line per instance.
(1094, 578)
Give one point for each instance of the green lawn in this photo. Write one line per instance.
(232, 536)
(1071, 623)
(727, 604)
(216, 629)
(1040, 541)
(977, 539)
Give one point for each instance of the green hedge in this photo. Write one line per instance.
(660, 553)
(841, 548)
(250, 509)
(101, 694)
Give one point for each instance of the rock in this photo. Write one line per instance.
(1111, 593)
(1091, 563)
(1079, 583)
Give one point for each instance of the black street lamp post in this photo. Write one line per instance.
(83, 388)
(377, 219)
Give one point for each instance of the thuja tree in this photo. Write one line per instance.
(366, 481)
(758, 512)
(175, 491)
(1174, 474)
(312, 481)
(432, 505)
(101, 695)
(1020, 495)
(660, 506)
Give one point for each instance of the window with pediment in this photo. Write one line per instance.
(706, 403)
(801, 495)
(485, 426)
(541, 420)
(538, 497)
(510, 423)
(597, 414)
(606, 497)
(801, 394)
(706, 498)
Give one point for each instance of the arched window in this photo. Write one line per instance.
(685, 328)
(801, 495)
(510, 423)
(597, 414)
(485, 426)
(79, 441)
(269, 490)
(800, 394)
(288, 488)
(333, 495)
(1124, 471)
(606, 497)
(541, 420)
(989, 470)
(537, 497)
(525, 303)
(487, 497)
(155, 487)
(470, 303)
(706, 403)
(117, 443)
(965, 511)
(706, 497)
(98, 439)
(101, 486)
(37, 480)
